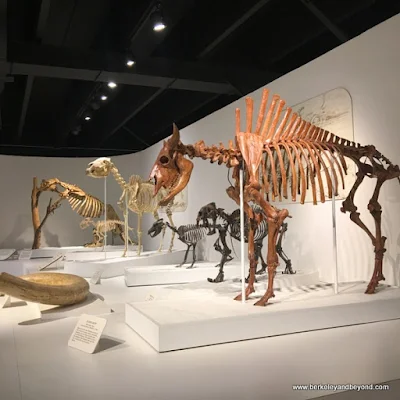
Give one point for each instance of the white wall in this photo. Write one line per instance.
(61, 228)
(366, 66)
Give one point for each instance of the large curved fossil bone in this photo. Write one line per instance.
(46, 288)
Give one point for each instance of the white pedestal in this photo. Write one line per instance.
(98, 255)
(21, 267)
(169, 274)
(201, 321)
(54, 251)
(116, 266)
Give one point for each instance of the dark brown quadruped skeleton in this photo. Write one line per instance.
(226, 223)
(261, 153)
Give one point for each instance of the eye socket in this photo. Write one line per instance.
(164, 160)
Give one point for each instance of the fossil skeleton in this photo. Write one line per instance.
(140, 196)
(189, 234)
(45, 288)
(82, 203)
(314, 155)
(100, 228)
(230, 223)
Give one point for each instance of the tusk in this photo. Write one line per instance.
(45, 288)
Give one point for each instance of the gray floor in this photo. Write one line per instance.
(391, 394)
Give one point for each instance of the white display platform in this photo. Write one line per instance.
(169, 274)
(22, 267)
(116, 266)
(54, 251)
(201, 321)
(98, 255)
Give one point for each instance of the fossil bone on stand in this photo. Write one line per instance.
(314, 155)
(137, 196)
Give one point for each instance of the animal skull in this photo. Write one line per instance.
(156, 228)
(99, 168)
(172, 170)
(85, 223)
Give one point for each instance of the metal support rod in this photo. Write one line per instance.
(126, 222)
(105, 218)
(242, 235)
(335, 267)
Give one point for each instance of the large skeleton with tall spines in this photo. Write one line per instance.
(316, 160)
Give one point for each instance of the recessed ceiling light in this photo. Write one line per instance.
(112, 85)
(130, 63)
(103, 97)
(158, 19)
(88, 118)
(159, 26)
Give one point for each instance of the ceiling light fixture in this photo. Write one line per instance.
(103, 97)
(130, 59)
(158, 19)
(88, 118)
(112, 85)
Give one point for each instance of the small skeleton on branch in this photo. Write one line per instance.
(81, 202)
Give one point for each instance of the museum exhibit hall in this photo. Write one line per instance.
(200, 200)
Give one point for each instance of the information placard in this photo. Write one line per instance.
(5, 301)
(96, 278)
(6, 253)
(87, 333)
(25, 254)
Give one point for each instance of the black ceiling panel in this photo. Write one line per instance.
(57, 56)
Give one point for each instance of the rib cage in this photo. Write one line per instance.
(191, 234)
(144, 200)
(259, 234)
(86, 205)
(297, 154)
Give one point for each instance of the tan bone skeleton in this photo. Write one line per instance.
(139, 194)
(100, 228)
(81, 202)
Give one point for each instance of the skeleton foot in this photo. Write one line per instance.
(190, 266)
(372, 286)
(289, 270)
(248, 292)
(92, 245)
(218, 279)
(374, 282)
(264, 300)
(179, 266)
